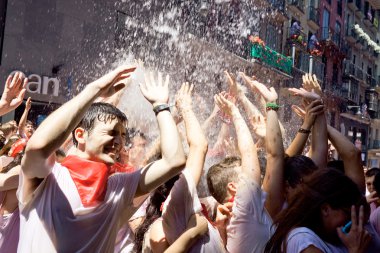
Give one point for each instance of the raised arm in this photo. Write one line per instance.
(274, 178)
(13, 94)
(250, 162)
(195, 137)
(24, 117)
(9, 180)
(351, 156)
(312, 110)
(156, 91)
(319, 147)
(54, 130)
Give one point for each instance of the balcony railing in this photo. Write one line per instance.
(314, 14)
(359, 73)
(376, 144)
(297, 37)
(329, 35)
(278, 4)
(318, 68)
(271, 58)
(300, 4)
(302, 61)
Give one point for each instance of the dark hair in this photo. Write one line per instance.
(376, 182)
(153, 211)
(297, 167)
(28, 122)
(324, 186)
(132, 133)
(336, 164)
(220, 174)
(102, 112)
(7, 128)
(372, 172)
(16, 161)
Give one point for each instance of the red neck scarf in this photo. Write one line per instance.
(89, 177)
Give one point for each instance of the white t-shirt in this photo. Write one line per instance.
(125, 239)
(180, 205)
(53, 219)
(250, 226)
(302, 238)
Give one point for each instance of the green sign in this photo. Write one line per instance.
(271, 57)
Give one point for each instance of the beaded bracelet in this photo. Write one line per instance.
(272, 106)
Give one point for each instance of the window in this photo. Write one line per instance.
(336, 37)
(271, 38)
(339, 7)
(3, 11)
(325, 24)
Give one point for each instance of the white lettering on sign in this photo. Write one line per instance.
(42, 85)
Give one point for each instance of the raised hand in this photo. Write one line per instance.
(183, 98)
(358, 239)
(270, 95)
(155, 90)
(14, 92)
(223, 213)
(114, 81)
(310, 83)
(234, 88)
(372, 197)
(28, 104)
(259, 126)
(309, 96)
(312, 111)
(224, 103)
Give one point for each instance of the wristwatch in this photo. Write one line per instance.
(160, 108)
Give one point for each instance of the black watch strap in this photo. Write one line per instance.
(160, 108)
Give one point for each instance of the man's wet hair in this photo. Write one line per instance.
(372, 172)
(220, 174)
(101, 112)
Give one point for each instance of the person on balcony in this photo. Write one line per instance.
(313, 45)
(295, 32)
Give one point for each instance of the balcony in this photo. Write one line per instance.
(349, 68)
(352, 5)
(297, 6)
(313, 18)
(297, 38)
(375, 25)
(271, 58)
(360, 11)
(376, 144)
(279, 5)
(359, 73)
(329, 37)
(351, 36)
(302, 61)
(318, 68)
(359, 43)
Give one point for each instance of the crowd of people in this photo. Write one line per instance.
(83, 181)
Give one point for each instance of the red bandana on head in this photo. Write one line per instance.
(89, 177)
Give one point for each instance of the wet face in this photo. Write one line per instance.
(28, 130)
(369, 183)
(105, 141)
